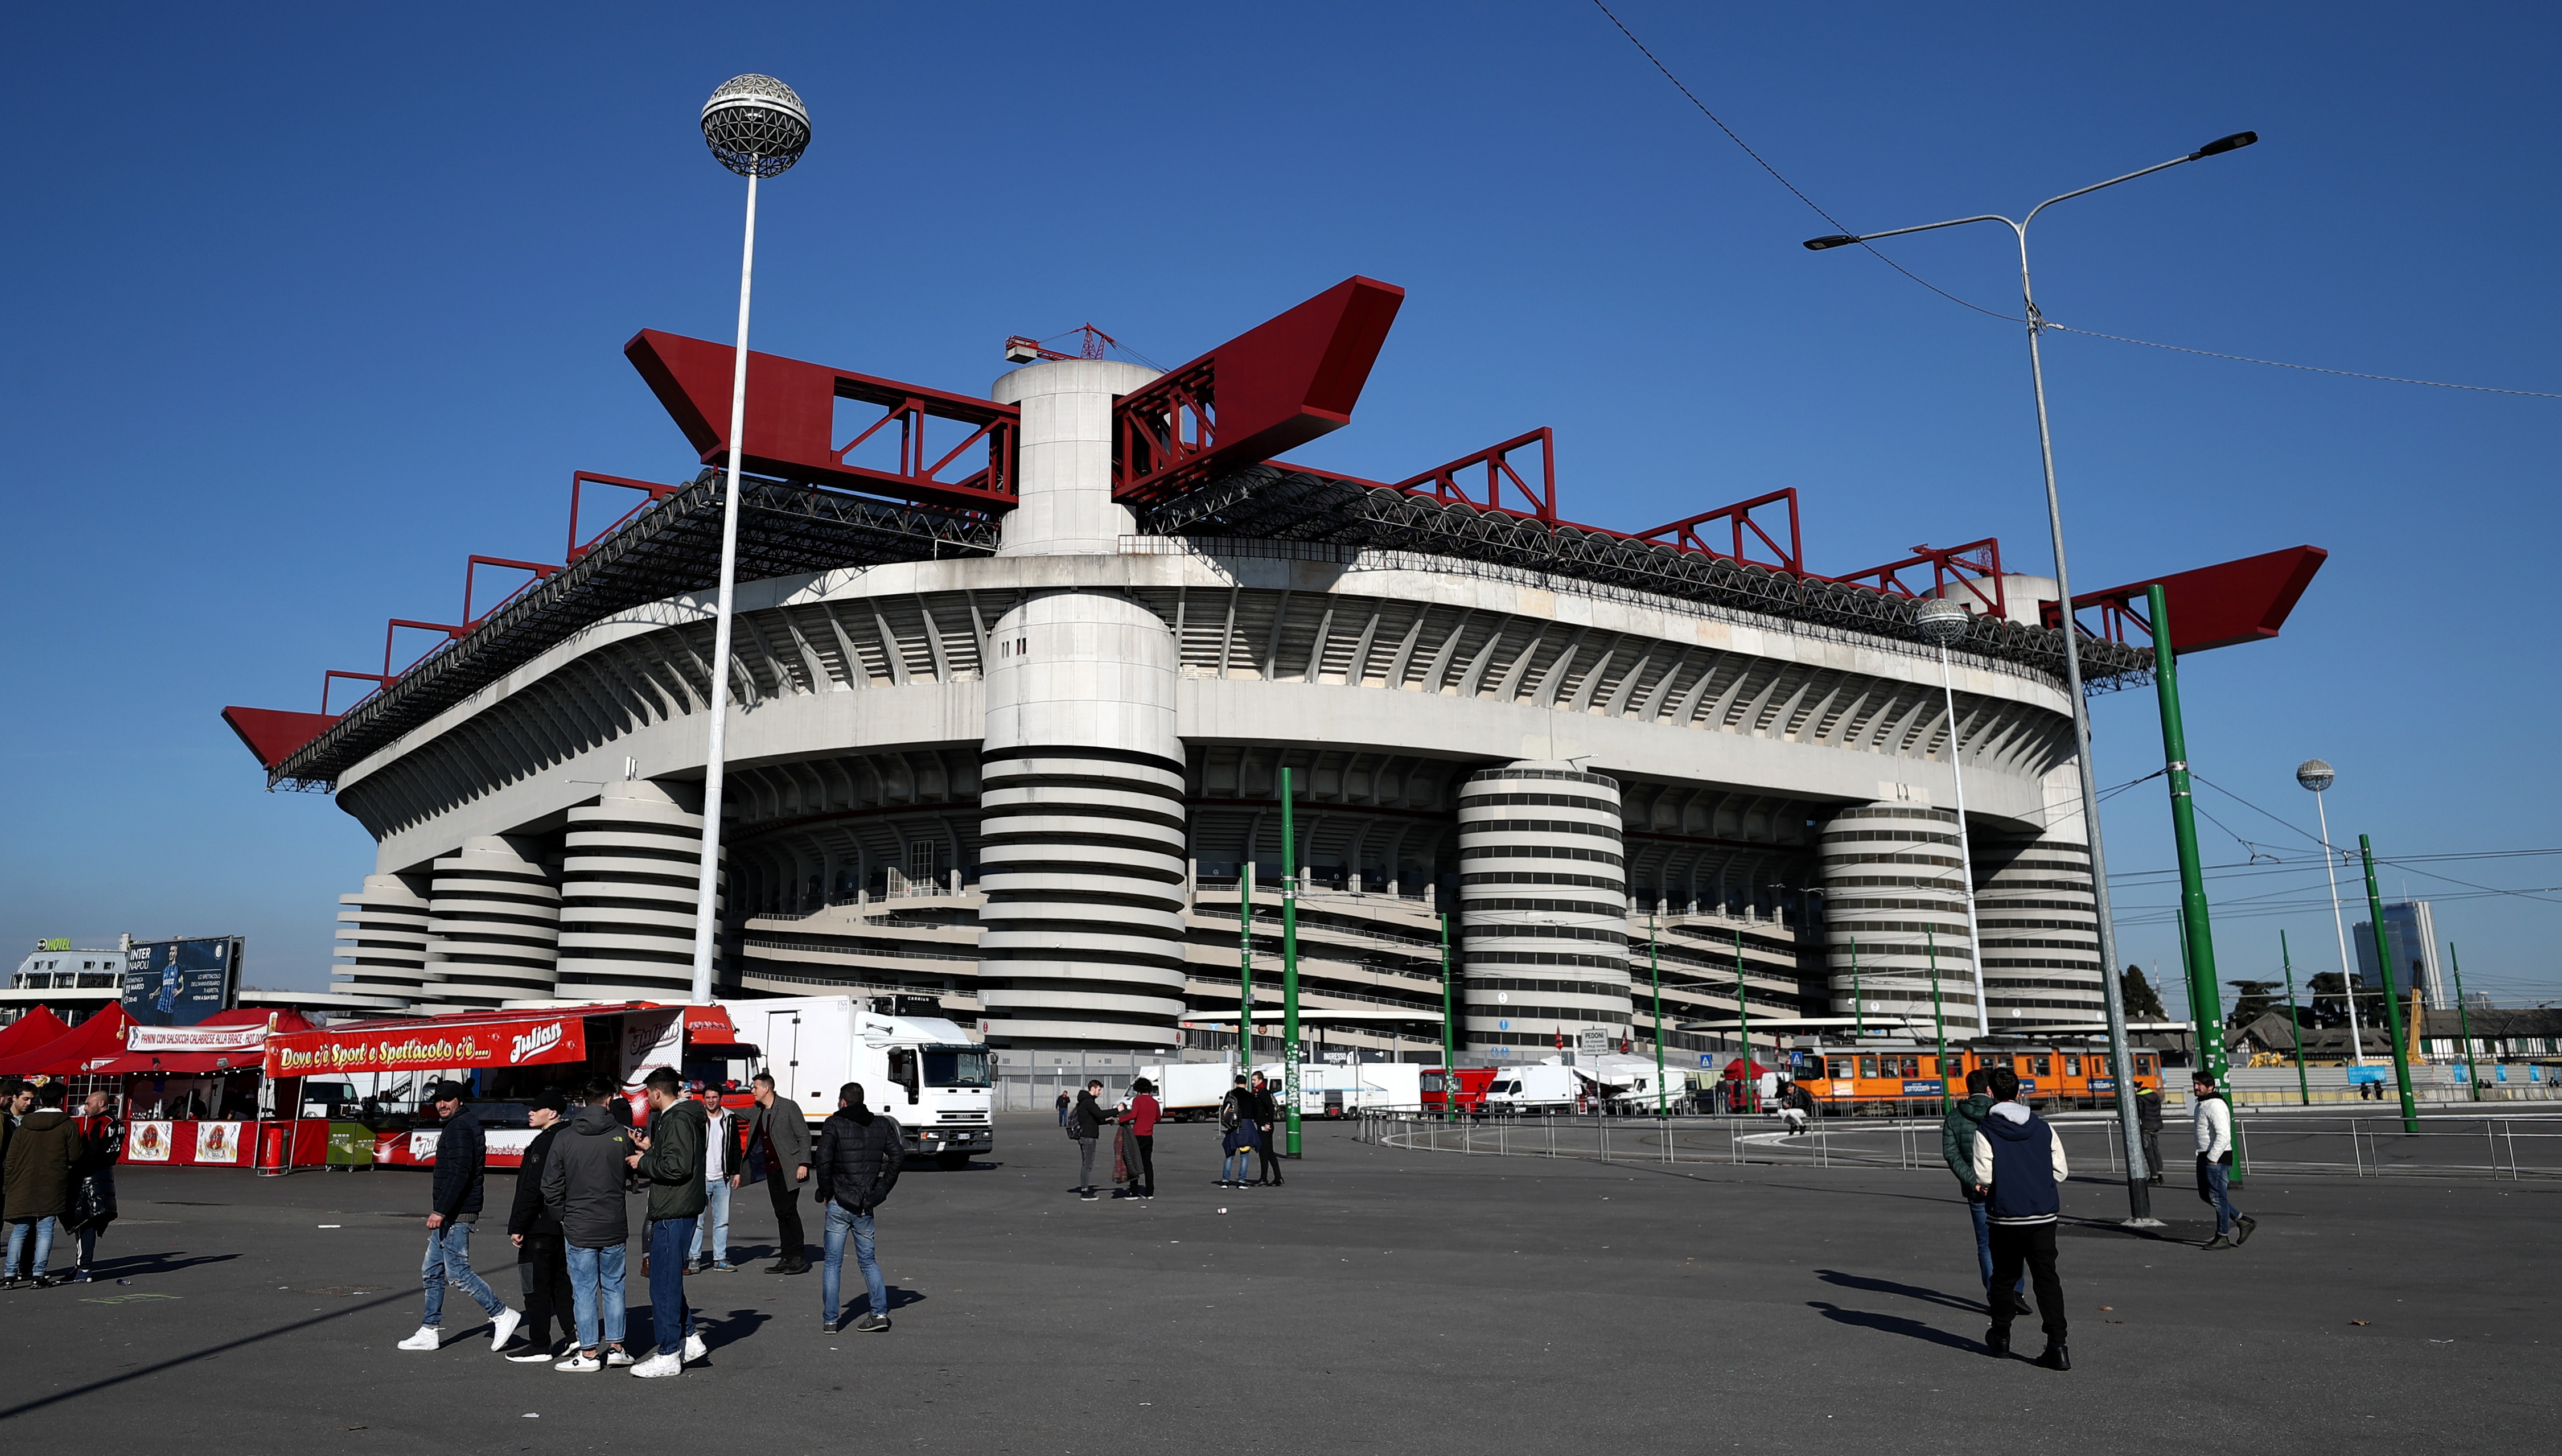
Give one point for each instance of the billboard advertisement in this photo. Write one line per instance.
(501, 1041)
(178, 982)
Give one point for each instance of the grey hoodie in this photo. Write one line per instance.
(582, 1179)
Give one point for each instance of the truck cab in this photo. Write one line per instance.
(924, 1071)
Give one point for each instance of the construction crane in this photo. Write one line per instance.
(1022, 350)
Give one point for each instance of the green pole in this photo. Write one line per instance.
(2465, 1024)
(2303, 1089)
(2392, 1003)
(1289, 968)
(1858, 1009)
(1744, 1022)
(1449, 1055)
(1655, 961)
(2206, 1003)
(1938, 1019)
(1245, 965)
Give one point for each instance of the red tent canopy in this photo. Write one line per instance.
(99, 1039)
(1735, 1069)
(232, 1041)
(29, 1032)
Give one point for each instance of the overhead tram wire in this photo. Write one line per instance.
(2042, 323)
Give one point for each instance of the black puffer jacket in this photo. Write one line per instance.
(859, 1155)
(528, 1215)
(461, 1149)
(581, 1179)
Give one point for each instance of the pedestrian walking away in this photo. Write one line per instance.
(2149, 1117)
(779, 1132)
(720, 1176)
(670, 1161)
(2214, 1119)
(39, 1172)
(1237, 1136)
(1085, 1123)
(94, 1198)
(2019, 1169)
(542, 1260)
(582, 1179)
(1265, 1115)
(1139, 1123)
(454, 1198)
(1957, 1148)
(860, 1153)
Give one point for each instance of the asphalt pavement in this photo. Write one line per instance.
(1381, 1299)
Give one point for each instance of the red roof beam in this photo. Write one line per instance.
(471, 567)
(453, 633)
(580, 479)
(1684, 534)
(1976, 568)
(1540, 503)
(273, 734)
(2219, 605)
(380, 680)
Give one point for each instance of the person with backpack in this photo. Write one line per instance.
(1237, 1137)
(2019, 1169)
(1957, 1148)
(860, 1156)
(1141, 1122)
(1085, 1124)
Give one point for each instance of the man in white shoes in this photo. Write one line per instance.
(455, 1198)
(583, 1182)
(671, 1160)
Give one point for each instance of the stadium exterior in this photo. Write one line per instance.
(1009, 741)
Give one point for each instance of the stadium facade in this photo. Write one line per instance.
(1010, 709)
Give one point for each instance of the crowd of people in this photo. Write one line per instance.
(569, 1226)
(1247, 1116)
(57, 1176)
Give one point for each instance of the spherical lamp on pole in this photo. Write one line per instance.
(1943, 624)
(757, 128)
(2316, 776)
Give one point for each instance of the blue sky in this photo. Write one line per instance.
(318, 300)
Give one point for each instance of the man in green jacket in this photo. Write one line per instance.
(1957, 1148)
(672, 1159)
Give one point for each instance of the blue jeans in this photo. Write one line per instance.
(2213, 1181)
(840, 1221)
(671, 1320)
(1237, 1161)
(1984, 1244)
(43, 1229)
(595, 1279)
(715, 1217)
(448, 1257)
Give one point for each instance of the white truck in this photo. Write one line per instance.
(1539, 1088)
(1191, 1091)
(924, 1071)
(1332, 1089)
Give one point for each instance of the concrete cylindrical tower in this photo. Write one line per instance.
(1893, 886)
(382, 943)
(493, 925)
(2041, 928)
(1064, 456)
(1543, 906)
(628, 885)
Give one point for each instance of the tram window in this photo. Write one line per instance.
(2146, 1064)
(1997, 1061)
(2042, 1066)
(2099, 1067)
(2073, 1066)
(1843, 1069)
(1868, 1066)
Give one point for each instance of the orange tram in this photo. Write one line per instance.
(1888, 1075)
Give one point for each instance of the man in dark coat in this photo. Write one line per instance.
(94, 1198)
(2149, 1113)
(1265, 1116)
(1085, 1123)
(780, 1133)
(860, 1153)
(37, 1172)
(462, 1153)
(542, 1258)
(1957, 1148)
(672, 1159)
(582, 1186)
(2019, 1167)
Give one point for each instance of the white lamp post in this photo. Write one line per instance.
(1942, 623)
(757, 128)
(2316, 776)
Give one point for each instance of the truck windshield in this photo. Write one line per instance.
(954, 1066)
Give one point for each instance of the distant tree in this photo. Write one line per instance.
(2256, 1001)
(2143, 1004)
(2330, 1003)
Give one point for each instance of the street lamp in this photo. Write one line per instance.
(2138, 1194)
(757, 128)
(1943, 624)
(2316, 776)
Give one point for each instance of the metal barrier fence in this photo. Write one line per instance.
(2511, 1148)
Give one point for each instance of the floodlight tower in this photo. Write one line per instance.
(2317, 776)
(757, 128)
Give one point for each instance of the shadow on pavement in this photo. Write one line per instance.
(1908, 1291)
(1894, 1325)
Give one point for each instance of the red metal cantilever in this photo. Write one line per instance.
(474, 564)
(579, 480)
(1539, 503)
(1974, 568)
(1684, 534)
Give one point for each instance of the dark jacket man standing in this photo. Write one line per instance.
(860, 1153)
(37, 1172)
(780, 1133)
(1265, 1115)
(542, 1259)
(671, 1158)
(2149, 1117)
(582, 1186)
(454, 1199)
(1957, 1148)
(2019, 1167)
(1085, 1123)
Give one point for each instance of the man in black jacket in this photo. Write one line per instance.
(583, 1187)
(461, 1151)
(780, 1135)
(542, 1259)
(859, 1155)
(1085, 1123)
(1265, 1115)
(2149, 1117)
(672, 1159)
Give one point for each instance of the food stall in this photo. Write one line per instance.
(190, 1095)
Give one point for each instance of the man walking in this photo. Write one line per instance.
(542, 1261)
(454, 1195)
(582, 1186)
(671, 1160)
(2214, 1119)
(2019, 1169)
(719, 1177)
(860, 1153)
(1085, 1124)
(1957, 1148)
(37, 1172)
(781, 1134)
(1265, 1115)
(2149, 1111)
(94, 1198)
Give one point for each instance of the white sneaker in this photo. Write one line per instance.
(533, 1355)
(662, 1363)
(580, 1363)
(695, 1348)
(504, 1328)
(428, 1338)
(615, 1356)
